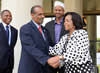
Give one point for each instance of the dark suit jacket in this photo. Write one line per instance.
(50, 26)
(7, 51)
(34, 54)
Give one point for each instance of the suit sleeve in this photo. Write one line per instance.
(29, 46)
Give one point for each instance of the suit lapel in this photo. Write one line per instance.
(37, 31)
(3, 30)
(45, 34)
(12, 35)
(53, 31)
(62, 30)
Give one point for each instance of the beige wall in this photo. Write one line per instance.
(97, 4)
(74, 5)
(21, 14)
(89, 5)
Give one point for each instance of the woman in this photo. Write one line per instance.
(73, 47)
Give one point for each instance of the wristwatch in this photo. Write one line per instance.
(60, 57)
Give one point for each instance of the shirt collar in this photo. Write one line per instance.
(37, 25)
(60, 21)
(4, 24)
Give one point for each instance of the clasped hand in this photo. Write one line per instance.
(54, 61)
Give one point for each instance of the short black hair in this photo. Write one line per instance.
(32, 9)
(76, 19)
(2, 12)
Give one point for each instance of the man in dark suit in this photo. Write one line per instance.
(8, 38)
(34, 56)
(56, 27)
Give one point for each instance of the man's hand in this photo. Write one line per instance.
(54, 61)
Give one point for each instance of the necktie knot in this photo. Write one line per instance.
(7, 27)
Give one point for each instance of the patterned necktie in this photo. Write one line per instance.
(7, 32)
(40, 29)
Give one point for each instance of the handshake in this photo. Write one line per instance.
(55, 61)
